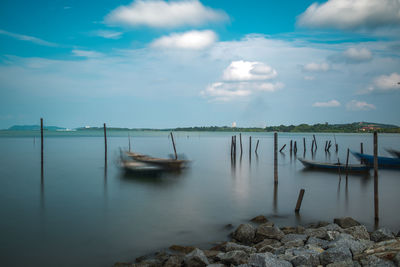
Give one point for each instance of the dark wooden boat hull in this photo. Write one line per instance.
(334, 167)
(383, 162)
(166, 164)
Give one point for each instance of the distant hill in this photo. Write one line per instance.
(34, 128)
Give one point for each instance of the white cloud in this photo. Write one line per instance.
(351, 14)
(162, 14)
(243, 78)
(188, 40)
(359, 105)
(28, 38)
(309, 78)
(108, 34)
(316, 67)
(248, 71)
(86, 53)
(384, 83)
(359, 55)
(328, 104)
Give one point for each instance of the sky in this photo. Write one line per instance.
(162, 64)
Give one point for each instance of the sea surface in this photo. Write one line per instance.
(84, 211)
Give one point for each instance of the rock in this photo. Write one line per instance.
(382, 234)
(219, 247)
(265, 231)
(293, 237)
(268, 242)
(173, 261)
(196, 258)
(148, 263)
(259, 219)
(317, 224)
(398, 234)
(346, 222)
(348, 263)
(300, 229)
(216, 265)
(317, 242)
(303, 256)
(358, 232)
(332, 235)
(235, 257)
(271, 249)
(289, 230)
(335, 254)
(371, 261)
(230, 246)
(333, 227)
(245, 233)
(182, 249)
(346, 240)
(318, 233)
(396, 259)
(267, 260)
(211, 254)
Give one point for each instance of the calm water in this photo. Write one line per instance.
(83, 214)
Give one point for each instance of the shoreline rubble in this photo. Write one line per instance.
(343, 243)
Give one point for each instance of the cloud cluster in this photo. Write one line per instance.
(355, 105)
(351, 14)
(352, 55)
(108, 34)
(385, 83)
(242, 78)
(316, 67)
(86, 53)
(328, 104)
(161, 14)
(188, 40)
(28, 38)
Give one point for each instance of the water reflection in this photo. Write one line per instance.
(275, 200)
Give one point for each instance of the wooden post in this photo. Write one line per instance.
(304, 144)
(347, 164)
(258, 141)
(312, 146)
(232, 147)
(326, 145)
(105, 142)
(129, 142)
(241, 147)
(41, 146)
(299, 200)
(337, 147)
(376, 199)
(275, 158)
(173, 143)
(361, 151)
(291, 147)
(315, 142)
(282, 148)
(295, 147)
(250, 146)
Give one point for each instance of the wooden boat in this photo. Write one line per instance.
(333, 166)
(166, 164)
(394, 153)
(383, 162)
(136, 167)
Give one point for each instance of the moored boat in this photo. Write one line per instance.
(383, 162)
(136, 167)
(394, 153)
(311, 164)
(166, 164)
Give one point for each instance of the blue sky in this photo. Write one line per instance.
(188, 63)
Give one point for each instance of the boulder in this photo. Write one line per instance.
(293, 237)
(346, 222)
(303, 256)
(173, 261)
(267, 260)
(268, 242)
(266, 231)
(382, 234)
(234, 257)
(335, 254)
(182, 249)
(348, 263)
(259, 219)
(289, 230)
(318, 233)
(211, 254)
(196, 258)
(216, 265)
(358, 232)
(346, 240)
(371, 261)
(244, 233)
(314, 241)
(317, 224)
(396, 259)
(333, 227)
(230, 246)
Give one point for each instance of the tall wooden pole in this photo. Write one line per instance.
(304, 144)
(376, 199)
(129, 141)
(258, 141)
(173, 143)
(299, 200)
(347, 164)
(41, 149)
(315, 142)
(241, 147)
(275, 158)
(250, 146)
(105, 142)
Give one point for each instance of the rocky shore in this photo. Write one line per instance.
(345, 242)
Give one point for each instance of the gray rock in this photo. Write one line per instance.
(235, 257)
(346, 240)
(230, 246)
(196, 258)
(348, 263)
(333, 227)
(373, 261)
(267, 260)
(318, 242)
(317, 224)
(358, 232)
(268, 242)
(265, 231)
(382, 234)
(294, 243)
(293, 237)
(332, 235)
(148, 263)
(216, 265)
(318, 233)
(244, 233)
(270, 249)
(173, 261)
(303, 256)
(396, 259)
(346, 222)
(335, 254)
